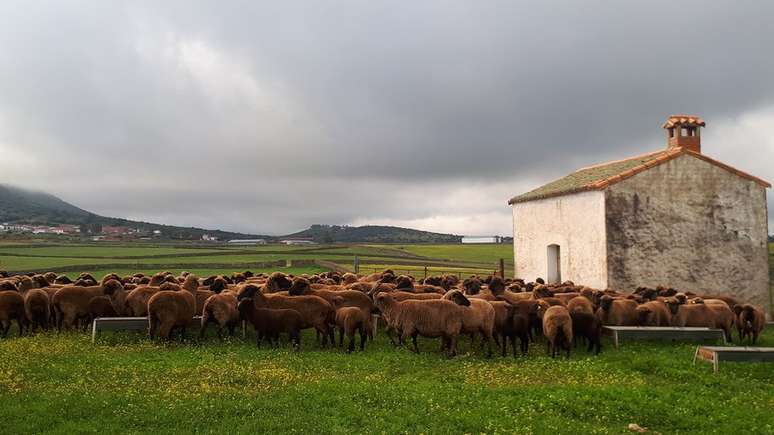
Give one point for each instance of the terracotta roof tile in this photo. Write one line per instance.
(601, 176)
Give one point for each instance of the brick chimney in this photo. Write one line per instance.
(683, 131)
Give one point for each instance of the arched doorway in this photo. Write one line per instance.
(554, 264)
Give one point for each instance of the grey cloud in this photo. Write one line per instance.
(269, 116)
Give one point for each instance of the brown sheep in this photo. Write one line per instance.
(137, 300)
(277, 282)
(617, 312)
(750, 320)
(557, 327)
(349, 320)
(478, 318)
(37, 308)
(170, 308)
(724, 319)
(316, 311)
(71, 303)
(691, 314)
(221, 309)
(432, 318)
(516, 324)
(580, 304)
(12, 308)
(101, 306)
(269, 323)
(588, 326)
(654, 313)
(349, 298)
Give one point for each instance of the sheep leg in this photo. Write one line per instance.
(220, 333)
(341, 337)
(488, 340)
(351, 338)
(20, 322)
(452, 346)
(414, 341)
(152, 328)
(525, 344)
(5, 327)
(363, 336)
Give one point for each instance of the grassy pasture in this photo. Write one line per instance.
(94, 258)
(126, 384)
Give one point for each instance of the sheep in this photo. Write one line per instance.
(617, 312)
(724, 318)
(277, 282)
(516, 324)
(137, 300)
(269, 323)
(316, 311)
(37, 308)
(580, 304)
(170, 308)
(101, 306)
(349, 298)
(653, 313)
(750, 320)
(349, 320)
(691, 314)
(557, 327)
(430, 318)
(588, 326)
(12, 308)
(71, 303)
(221, 309)
(478, 318)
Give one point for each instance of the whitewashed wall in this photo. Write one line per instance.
(574, 222)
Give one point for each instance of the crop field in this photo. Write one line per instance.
(129, 258)
(124, 383)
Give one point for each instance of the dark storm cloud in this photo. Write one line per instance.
(268, 117)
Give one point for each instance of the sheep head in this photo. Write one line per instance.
(472, 286)
(606, 302)
(111, 286)
(8, 286)
(457, 297)
(278, 281)
(404, 282)
(63, 279)
(496, 285)
(218, 285)
(299, 286)
(249, 291)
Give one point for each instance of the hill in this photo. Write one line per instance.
(22, 206)
(371, 234)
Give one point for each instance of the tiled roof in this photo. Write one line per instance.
(598, 177)
(683, 120)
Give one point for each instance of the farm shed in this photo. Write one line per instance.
(673, 217)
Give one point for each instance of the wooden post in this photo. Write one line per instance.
(357, 264)
(425, 271)
(502, 268)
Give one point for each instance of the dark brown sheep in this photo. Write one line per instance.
(750, 321)
(587, 325)
(170, 308)
(580, 304)
(37, 308)
(316, 311)
(71, 303)
(12, 308)
(557, 328)
(270, 323)
(277, 282)
(516, 325)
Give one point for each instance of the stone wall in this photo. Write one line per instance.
(691, 225)
(574, 222)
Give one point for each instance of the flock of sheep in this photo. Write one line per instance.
(491, 308)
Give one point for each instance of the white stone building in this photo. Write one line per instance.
(673, 217)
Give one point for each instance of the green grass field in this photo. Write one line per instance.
(123, 383)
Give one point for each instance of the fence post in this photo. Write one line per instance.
(502, 268)
(357, 264)
(425, 271)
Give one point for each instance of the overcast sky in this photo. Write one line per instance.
(267, 117)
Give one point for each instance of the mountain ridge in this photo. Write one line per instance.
(24, 206)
